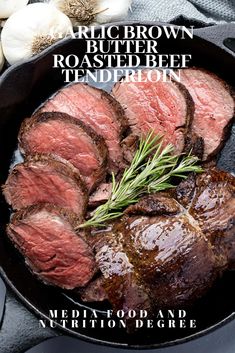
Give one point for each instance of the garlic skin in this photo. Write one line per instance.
(112, 10)
(89, 12)
(80, 12)
(8, 7)
(2, 59)
(31, 30)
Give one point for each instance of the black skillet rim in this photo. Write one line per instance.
(33, 308)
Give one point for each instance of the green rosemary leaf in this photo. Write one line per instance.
(151, 170)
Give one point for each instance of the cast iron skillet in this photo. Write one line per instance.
(22, 89)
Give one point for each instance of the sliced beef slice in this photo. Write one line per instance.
(214, 107)
(97, 109)
(47, 179)
(100, 195)
(45, 235)
(165, 107)
(67, 137)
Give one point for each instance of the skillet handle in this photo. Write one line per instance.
(221, 35)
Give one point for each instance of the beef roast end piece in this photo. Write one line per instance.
(183, 239)
(45, 235)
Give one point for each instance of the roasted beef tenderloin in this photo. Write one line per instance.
(213, 207)
(168, 249)
(124, 289)
(98, 110)
(70, 139)
(164, 107)
(100, 195)
(46, 179)
(214, 107)
(171, 246)
(45, 235)
(94, 291)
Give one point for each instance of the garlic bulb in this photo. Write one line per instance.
(2, 23)
(8, 7)
(87, 12)
(32, 29)
(112, 10)
(2, 60)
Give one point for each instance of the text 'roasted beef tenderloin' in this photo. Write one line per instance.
(45, 235)
(168, 249)
(67, 137)
(46, 179)
(214, 107)
(98, 110)
(164, 107)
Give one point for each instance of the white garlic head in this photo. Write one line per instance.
(87, 12)
(2, 60)
(32, 29)
(8, 7)
(112, 10)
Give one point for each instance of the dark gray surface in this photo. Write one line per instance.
(20, 329)
(220, 341)
(228, 151)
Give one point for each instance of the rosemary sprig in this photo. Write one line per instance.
(145, 175)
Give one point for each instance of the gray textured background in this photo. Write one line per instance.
(209, 11)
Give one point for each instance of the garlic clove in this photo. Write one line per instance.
(2, 59)
(32, 29)
(112, 10)
(8, 7)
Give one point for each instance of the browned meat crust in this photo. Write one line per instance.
(100, 195)
(120, 113)
(93, 106)
(94, 291)
(128, 101)
(183, 239)
(93, 138)
(226, 128)
(33, 182)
